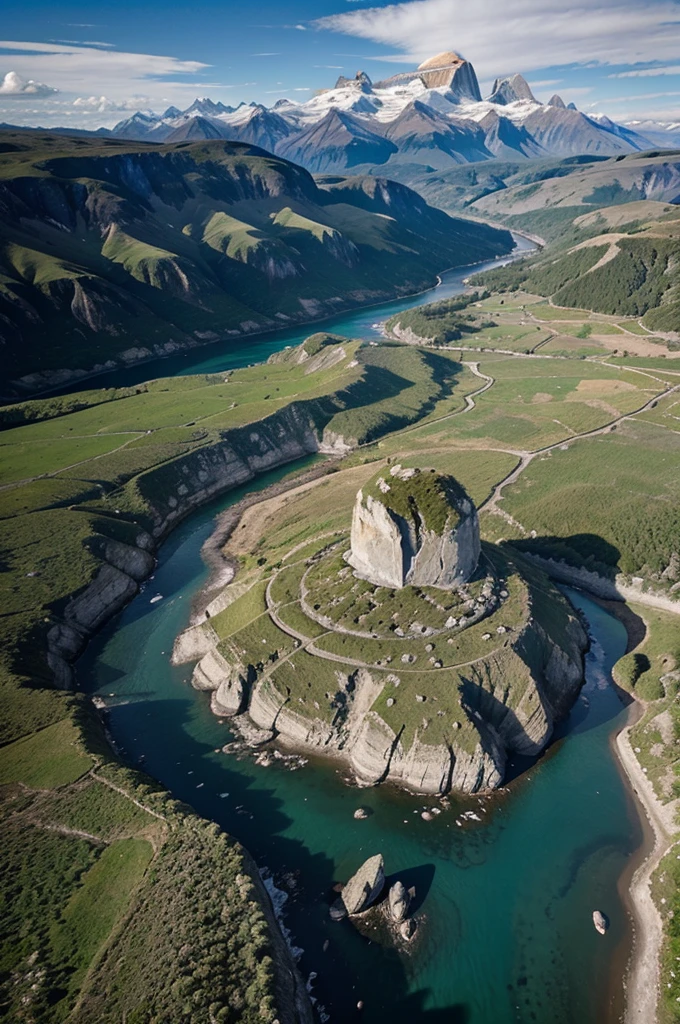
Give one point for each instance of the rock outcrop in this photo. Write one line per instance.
(365, 886)
(123, 567)
(399, 901)
(448, 69)
(426, 686)
(414, 527)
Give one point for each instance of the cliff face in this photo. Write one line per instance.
(177, 488)
(173, 491)
(552, 675)
(394, 544)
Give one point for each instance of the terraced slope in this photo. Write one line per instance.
(425, 687)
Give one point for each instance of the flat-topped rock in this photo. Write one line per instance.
(412, 526)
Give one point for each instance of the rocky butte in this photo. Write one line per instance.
(419, 656)
(415, 528)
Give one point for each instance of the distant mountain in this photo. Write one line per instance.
(196, 128)
(508, 140)
(340, 141)
(511, 90)
(425, 135)
(663, 135)
(433, 117)
(146, 251)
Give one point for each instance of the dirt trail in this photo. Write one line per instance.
(491, 504)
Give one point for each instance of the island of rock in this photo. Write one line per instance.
(400, 646)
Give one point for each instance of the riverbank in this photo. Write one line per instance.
(642, 982)
(222, 568)
(256, 346)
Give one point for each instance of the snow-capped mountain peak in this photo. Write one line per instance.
(434, 116)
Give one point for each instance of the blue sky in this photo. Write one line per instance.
(90, 63)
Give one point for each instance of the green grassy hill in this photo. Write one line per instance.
(620, 260)
(118, 251)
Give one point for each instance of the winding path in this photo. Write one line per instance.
(491, 503)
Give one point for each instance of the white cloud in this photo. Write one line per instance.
(545, 83)
(22, 88)
(85, 42)
(102, 104)
(502, 38)
(642, 96)
(647, 72)
(75, 68)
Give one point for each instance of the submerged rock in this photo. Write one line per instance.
(365, 886)
(338, 911)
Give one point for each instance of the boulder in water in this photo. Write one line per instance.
(365, 886)
(600, 921)
(407, 929)
(398, 900)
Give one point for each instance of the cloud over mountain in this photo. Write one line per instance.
(503, 38)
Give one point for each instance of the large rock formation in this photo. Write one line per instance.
(414, 527)
(365, 886)
(426, 687)
(448, 69)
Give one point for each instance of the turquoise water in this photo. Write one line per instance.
(505, 903)
(226, 355)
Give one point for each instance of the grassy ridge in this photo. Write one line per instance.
(145, 249)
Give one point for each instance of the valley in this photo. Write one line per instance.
(436, 532)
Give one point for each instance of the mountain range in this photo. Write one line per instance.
(430, 119)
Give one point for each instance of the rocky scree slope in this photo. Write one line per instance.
(112, 253)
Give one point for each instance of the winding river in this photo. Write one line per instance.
(229, 354)
(505, 899)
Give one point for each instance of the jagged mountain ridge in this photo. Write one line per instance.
(113, 252)
(433, 117)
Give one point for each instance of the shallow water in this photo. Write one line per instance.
(505, 933)
(227, 355)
